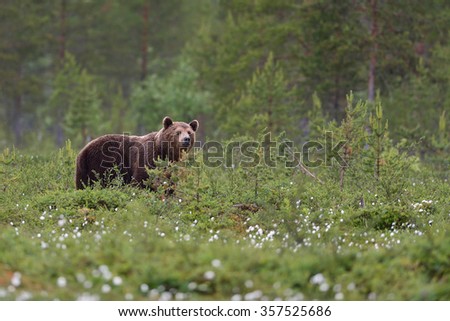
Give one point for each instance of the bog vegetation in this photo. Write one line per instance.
(363, 84)
(374, 228)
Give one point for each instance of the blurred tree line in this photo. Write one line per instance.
(80, 68)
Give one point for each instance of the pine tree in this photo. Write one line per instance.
(74, 103)
(330, 51)
(84, 114)
(22, 34)
(265, 104)
(177, 95)
(118, 112)
(64, 84)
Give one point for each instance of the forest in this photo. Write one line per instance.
(355, 95)
(78, 69)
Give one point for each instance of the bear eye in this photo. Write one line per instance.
(178, 133)
(189, 133)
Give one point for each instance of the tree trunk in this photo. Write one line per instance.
(61, 55)
(144, 39)
(373, 52)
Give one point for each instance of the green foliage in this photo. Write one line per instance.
(367, 159)
(265, 104)
(318, 47)
(7, 156)
(84, 116)
(392, 163)
(223, 233)
(379, 131)
(331, 39)
(350, 134)
(75, 102)
(407, 102)
(235, 44)
(119, 108)
(427, 87)
(176, 95)
(440, 146)
(22, 40)
(89, 198)
(384, 217)
(316, 119)
(372, 227)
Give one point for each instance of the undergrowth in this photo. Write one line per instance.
(222, 234)
(228, 232)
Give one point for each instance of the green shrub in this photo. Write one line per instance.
(384, 217)
(88, 198)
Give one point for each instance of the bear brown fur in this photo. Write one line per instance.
(130, 156)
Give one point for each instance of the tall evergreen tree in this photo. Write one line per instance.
(83, 117)
(331, 51)
(22, 34)
(177, 95)
(265, 104)
(74, 104)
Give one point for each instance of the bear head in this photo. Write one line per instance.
(179, 136)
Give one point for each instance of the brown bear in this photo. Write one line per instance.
(128, 156)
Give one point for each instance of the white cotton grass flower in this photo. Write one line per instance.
(166, 296)
(87, 284)
(24, 296)
(351, 286)
(3, 293)
(317, 279)
(80, 277)
(16, 279)
(216, 263)
(180, 296)
(209, 275)
(192, 286)
(251, 296)
(61, 282)
(105, 272)
(236, 297)
(324, 287)
(117, 280)
(339, 296)
(88, 297)
(106, 288)
(144, 288)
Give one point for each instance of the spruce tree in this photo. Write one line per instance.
(74, 103)
(84, 115)
(265, 104)
(177, 95)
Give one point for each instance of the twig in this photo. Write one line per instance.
(302, 168)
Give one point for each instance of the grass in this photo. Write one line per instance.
(225, 234)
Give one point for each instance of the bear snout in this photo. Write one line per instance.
(186, 141)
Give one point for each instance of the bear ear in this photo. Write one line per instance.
(167, 122)
(194, 125)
